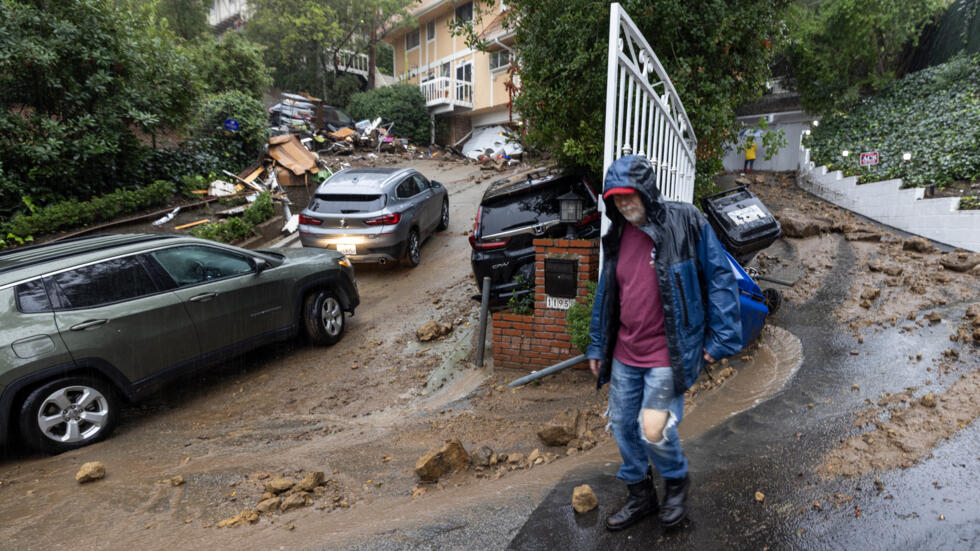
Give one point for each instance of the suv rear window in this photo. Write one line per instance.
(336, 203)
(533, 206)
(32, 298)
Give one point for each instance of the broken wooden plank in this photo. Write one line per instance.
(192, 224)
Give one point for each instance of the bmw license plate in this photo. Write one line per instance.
(347, 249)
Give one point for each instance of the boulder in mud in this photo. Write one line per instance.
(310, 482)
(870, 293)
(973, 312)
(960, 262)
(929, 400)
(433, 330)
(268, 505)
(584, 499)
(295, 501)
(797, 225)
(562, 429)
(279, 485)
(482, 456)
(918, 244)
(247, 516)
(93, 470)
(450, 458)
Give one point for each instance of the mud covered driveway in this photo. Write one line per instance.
(363, 411)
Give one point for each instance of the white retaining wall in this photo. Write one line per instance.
(905, 209)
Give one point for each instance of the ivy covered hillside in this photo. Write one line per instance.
(933, 114)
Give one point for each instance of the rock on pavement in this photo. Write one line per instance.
(584, 499)
(279, 485)
(562, 429)
(433, 330)
(450, 458)
(93, 470)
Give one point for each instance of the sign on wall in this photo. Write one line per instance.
(869, 158)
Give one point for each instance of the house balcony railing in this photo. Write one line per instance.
(350, 62)
(447, 91)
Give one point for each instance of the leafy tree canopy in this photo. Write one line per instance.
(80, 80)
(304, 37)
(188, 19)
(231, 63)
(840, 50)
(716, 52)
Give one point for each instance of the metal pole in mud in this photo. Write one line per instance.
(484, 307)
(548, 371)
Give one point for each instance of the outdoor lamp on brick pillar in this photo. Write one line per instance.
(571, 212)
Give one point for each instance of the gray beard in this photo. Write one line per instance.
(635, 217)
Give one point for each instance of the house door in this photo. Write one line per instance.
(464, 82)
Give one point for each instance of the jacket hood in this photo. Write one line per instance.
(634, 171)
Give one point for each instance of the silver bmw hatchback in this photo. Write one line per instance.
(375, 214)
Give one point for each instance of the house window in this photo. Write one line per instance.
(499, 59)
(430, 30)
(412, 40)
(465, 12)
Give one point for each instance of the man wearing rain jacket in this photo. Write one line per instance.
(666, 303)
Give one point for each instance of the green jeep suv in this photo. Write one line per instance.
(89, 322)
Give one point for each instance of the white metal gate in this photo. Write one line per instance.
(644, 115)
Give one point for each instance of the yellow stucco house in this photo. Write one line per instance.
(464, 88)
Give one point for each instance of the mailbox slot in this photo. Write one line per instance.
(561, 277)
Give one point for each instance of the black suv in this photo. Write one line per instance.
(513, 213)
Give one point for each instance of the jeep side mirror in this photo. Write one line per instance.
(259, 264)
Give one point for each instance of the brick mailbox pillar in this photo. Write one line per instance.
(538, 340)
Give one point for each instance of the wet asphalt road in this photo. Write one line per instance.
(774, 448)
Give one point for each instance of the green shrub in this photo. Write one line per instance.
(239, 227)
(70, 214)
(402, 104)
(577, 319)
(234, 150)
(932, 114)
(521, 304)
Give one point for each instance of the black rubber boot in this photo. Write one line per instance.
(674, 509)
(641, 503)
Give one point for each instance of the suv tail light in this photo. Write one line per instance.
(386, 220)
(487, 245)
(304, 219)
(484, 246)
(589, 219)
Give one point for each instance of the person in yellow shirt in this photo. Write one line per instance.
(750, 148)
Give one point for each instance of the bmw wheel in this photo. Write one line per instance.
(68, 413)
(412, 253)
(323, 318)
(444, 218)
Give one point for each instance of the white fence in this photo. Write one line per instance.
(644, 114)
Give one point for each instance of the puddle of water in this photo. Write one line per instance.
(779, 356)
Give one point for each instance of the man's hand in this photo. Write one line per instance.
(708, 358)
(594, 367)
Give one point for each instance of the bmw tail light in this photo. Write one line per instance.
(386, 220)
(304, 219)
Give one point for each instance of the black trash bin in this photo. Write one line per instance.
(742, 222)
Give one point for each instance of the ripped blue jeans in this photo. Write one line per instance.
(632, 389)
